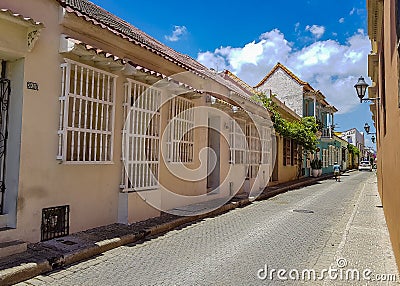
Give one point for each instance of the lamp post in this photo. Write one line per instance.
(367, 128)
(361, 88)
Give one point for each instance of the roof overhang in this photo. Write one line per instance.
(105, 60)
(373, 66)
(18, 34)
(375, 20)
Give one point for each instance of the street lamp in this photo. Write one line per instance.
(361, 88)
(367, 128)
(373, 139)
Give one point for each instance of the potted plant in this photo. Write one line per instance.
(314, 167)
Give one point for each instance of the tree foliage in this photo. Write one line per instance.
(303, 131)
(353, 149)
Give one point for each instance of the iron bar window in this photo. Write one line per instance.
(141, 136)
(87, 107)
(237, 141)
(181, 135)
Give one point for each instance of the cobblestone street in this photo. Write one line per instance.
(333, 220)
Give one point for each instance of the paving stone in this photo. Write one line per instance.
(229, 249)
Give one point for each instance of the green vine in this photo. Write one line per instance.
(353, 149)
(303, 132)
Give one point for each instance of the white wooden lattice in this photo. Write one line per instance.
(181, 135)
(141, 137)
(237, 141)
(254, 151)
(266, 144)
(87, 107)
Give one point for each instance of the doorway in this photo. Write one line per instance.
(5, 91)
(213, 158)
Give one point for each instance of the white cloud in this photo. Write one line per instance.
(316, 30)
(352, 11)
(327, 65)
(177, 33)
(341, 20)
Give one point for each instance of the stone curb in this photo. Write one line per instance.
(23, 272)
(26, 271)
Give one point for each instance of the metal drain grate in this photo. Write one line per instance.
(304, 211)
(55, 222)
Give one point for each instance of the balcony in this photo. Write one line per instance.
(327, 133)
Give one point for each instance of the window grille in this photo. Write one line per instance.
(266, 145)
(308, 160)
(294, 153)
(55, 222)
(237, 141)
(254, 151)
(329, 156)
(86, 114)
(324, 158)
(287, 151)
(181, 135)
(141, 136)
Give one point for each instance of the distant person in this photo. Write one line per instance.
(336, 171)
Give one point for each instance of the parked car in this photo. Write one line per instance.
(365, 165)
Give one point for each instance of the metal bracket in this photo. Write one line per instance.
(370, 100)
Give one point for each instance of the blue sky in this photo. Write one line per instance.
(323, 42)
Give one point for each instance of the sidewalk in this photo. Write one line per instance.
(45, 256)
(362, 243)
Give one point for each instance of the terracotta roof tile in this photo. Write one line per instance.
(21, 17)
(285, 69)
(242, 84)
(98, 16)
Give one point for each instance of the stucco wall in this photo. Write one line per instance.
(387, 144)
(91, 190)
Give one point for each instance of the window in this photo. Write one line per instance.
(87, 106)
(324, 158)
(181, 135)
(254, 151)
(306, 108)
(266, 145)
(141, 135)
(308, 160)
(287, 152)
(237, 141)
(294, 153)
(330, 155)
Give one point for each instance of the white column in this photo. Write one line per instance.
(315, 107)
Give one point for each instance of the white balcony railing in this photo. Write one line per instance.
(327, 132)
